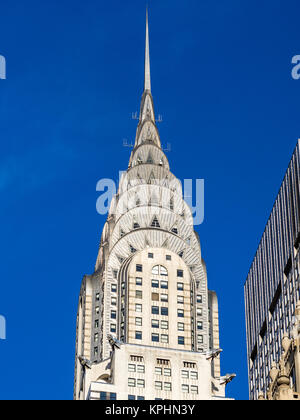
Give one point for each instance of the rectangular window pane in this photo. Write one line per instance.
(155, 323)
(194, 375)
(131, 368)
(164, 338)
(138, 308)
(158, 385)
(155, 338)
(164, 285)
(180, 313)
(113, 314)
(114, 288)
(180, 299)
(167, 372)
(179, 273)
(155, 284)
(180, 326)
(155, 310)
(158, 371)
(141, 369)
(180, 286)
(139, 268)
(139, 281)
(181, 341)
(167, 386)
(150, 255)
(138, 335)
(138, 294)
(164, 311)
(164, 325)
(141, 383)
(185, 388)
(155, 297)
(139, 322)
(131, 382)
(185, 374)
(164, 298)
(113, 328)
(194, 389)
(168, 257)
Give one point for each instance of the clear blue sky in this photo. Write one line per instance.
(221, 77)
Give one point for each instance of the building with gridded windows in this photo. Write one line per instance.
(147, 325)
(272, 286)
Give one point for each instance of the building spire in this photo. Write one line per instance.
(147, 86)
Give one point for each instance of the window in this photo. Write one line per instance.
(113, 315)
(131, 382)
(138, 308)
(140, 398)
(97, 310)
(158, 371)
(150, 255)
(138, 294)
(199, 298)
(138, 322)
(179, 273)
(158, 385)
(167, 372)
(164, 284)
(199, 311)
(164, 325)
(168, 258)
(167, 386)
(185, 388)
(164, 311)
(199, 325)
(194, 375)
(155, 223)
(180, 286)
(114, 288)
(180, 326)
(164, 298)
(138, 335)
(113, 396)
(181, 341)
(194, 389)
(174, 230)
(136, 225)
(155, 284)
(139, 268)
(114, 301)
(155, 338)
(140, 383)
(159, 270)
(164, 338)
(96, 337)
(95, 351)
(140, 369)
(113, 328)
(115, 274)
(155, 297)
(180, 313)
(155, 270)
(155, 310)
(155, 323)
(97, 323)
(185, 374)
(131, 397)
(139, 281)
(200, 339)
(97, 297)
(180, 300)
(131, 368)
(103, 396)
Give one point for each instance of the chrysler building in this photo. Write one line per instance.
(147, 325)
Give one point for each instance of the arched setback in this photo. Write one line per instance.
(147, 325)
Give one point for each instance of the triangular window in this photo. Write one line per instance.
(181, 253)
(132, 249)
(155, 223)
(122, 233)
(150, 160)
(136, 225)
(174, 229)
(151, 179)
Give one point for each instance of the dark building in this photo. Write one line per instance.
(272, 286)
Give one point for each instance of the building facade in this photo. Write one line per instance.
(272, 286)
(147, 325)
